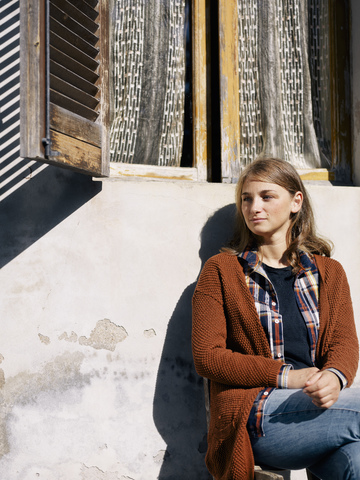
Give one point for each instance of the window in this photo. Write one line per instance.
(159, 90)
(196, 79)
(290, 99)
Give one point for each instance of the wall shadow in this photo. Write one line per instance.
(34, 197)
(179, 412)
(39, 205)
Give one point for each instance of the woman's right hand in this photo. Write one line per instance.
(298, 378)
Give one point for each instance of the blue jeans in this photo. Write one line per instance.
(300, 435)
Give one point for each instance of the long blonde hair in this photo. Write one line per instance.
(301, 234)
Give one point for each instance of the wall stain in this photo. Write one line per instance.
(106, 335)
(2, 374)
(61, 374)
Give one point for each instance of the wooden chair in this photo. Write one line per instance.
(268, 475)
(260, 474)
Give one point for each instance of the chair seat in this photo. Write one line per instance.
(265, 474)
(261, 474)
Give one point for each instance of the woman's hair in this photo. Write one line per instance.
(301, 234)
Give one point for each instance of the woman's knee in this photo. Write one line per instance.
(343, 464)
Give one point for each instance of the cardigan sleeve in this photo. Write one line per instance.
(338, 345)
(248, 362)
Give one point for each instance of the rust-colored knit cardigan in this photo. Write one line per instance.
(231, 349)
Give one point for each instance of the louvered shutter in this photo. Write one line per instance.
(64, 83)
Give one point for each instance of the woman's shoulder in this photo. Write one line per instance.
(329, 267)
(220, 272)
(221, 259)
(327, 261)
(222, 265)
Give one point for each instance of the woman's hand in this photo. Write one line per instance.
(324, 388)
(299, 378)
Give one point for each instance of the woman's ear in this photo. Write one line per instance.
(297, 202)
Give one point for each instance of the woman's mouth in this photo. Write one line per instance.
(257, 220)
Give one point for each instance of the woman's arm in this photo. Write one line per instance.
(338, 345)
(225, 323)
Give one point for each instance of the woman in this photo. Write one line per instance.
(273, 330)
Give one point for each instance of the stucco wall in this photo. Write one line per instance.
(96, 284)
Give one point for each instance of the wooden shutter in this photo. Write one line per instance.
(64, 83)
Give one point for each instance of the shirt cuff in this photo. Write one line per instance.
(283, 375)
(341, 377)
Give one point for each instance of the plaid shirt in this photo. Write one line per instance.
(306, 289)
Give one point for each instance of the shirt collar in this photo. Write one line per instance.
(250, 257)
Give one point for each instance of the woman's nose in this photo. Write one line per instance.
(256, 205)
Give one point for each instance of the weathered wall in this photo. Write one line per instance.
(96, 283)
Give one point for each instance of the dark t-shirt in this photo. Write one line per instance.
(296, 337)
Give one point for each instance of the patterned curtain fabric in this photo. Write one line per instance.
(284, 81)
(148, 55)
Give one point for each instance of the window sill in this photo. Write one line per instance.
(125, 171)
(318, 174)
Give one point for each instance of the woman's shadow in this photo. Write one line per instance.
(179, 411)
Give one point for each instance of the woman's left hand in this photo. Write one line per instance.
(324, 388)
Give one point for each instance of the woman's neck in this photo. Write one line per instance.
(274, 255)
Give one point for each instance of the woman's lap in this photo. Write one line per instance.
(298, 434)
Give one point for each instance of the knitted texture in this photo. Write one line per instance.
(231, 349)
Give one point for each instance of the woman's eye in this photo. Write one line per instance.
(267, 197)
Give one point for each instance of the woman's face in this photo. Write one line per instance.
(267, 209)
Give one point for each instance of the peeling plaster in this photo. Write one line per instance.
(1, 358)
(44, 339)
(73, 337)
(149, 333)
(106, 335)
(58, 375)
(161, 456)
